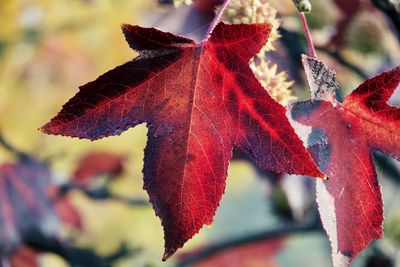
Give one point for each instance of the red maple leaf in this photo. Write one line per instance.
(342, 139)
(199, 100)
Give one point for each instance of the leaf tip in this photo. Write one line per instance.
(43, 129)
(304, 57)
(125, 26)
(48, 129)
(167, 254)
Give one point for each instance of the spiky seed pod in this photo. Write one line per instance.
(275, 82)
(254, 11)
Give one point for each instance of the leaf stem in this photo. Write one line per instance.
(21, 155)
(101, 194)
(337, 56)
(308, 35)
(216, 20)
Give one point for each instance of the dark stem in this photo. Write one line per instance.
(103, 194)
(308, 35)
(75, 256)
(336, 55)
(391, 10)
(216, 248)
(21, 155)
(216, 20)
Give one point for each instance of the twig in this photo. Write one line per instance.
(103, 195)
(391, 10)
(74, 255)
(216, 20)
(21, 155)
(336, 55)
(250, 239)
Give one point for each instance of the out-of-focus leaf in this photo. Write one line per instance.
(96, 164)
(25, 257)
(258, 254)
(348, 9)
(67, 212)
(24, 203)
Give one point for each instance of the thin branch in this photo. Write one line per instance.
(250, 239)
(336, 55)
(216, 20)
(76, 256)
(307, 32)
(21, 155)
(103, 194)
(392, 11)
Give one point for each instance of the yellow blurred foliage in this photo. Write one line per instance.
(47, 50)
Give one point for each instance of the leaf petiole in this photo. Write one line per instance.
(307, 32)
(215, 21)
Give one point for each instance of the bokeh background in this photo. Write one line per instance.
(92, 208)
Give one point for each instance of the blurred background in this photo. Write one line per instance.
(69, 202)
